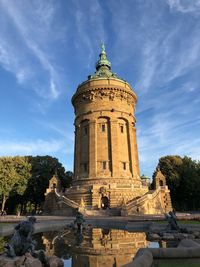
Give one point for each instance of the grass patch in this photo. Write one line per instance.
(180, 222)
(176, 263)
(6, 224)
(188, 222)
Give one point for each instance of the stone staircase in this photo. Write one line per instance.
(66, 200)
(138, 201)
(153, 198)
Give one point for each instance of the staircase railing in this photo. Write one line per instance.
(66, 200)
(150, 194)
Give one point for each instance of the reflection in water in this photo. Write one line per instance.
(96, 247)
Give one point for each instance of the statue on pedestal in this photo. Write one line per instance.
(21, 241)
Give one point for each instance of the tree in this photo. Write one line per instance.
(66, 180)
(14, 175)
(183, 179)
(43, 168)
(190, 184)
(24, 180)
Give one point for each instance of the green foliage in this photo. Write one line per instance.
(67, 180)
(24, 180)
(3, 242)
(14, 175)
(23, 170)
(183, 179)
(43, 168)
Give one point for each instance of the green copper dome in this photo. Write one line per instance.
(103, 61)
(103, 67)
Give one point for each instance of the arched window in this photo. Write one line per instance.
(160, 183)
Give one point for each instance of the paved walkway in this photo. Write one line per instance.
(131, 223)
(40, 218)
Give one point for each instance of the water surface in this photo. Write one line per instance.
(95, 247)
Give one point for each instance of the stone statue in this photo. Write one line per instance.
(172, 221)
(21, 241)
(79, 221)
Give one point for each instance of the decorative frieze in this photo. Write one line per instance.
(106, 93)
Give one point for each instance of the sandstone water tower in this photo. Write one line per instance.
(106, 165)
(106, 154)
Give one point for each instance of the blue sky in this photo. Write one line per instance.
(48, 47)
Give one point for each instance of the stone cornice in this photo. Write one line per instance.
(100, 84)
(112, 93)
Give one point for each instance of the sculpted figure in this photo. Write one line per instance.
(21, 241)
(172, 222)
(79, 221)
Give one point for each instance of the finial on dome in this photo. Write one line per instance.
(103, 49)
(103, 61)
(103, 66)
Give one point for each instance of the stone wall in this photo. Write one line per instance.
(154, 202)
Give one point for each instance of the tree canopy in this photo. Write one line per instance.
(183, 179)
(14, 175)
(24, 180)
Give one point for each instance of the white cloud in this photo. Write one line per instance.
(33, 24)
(149, 66)
(39, 147)
(89, 24)
(11, 63)
(185, 6)
(190, 149)
(162, 61)
(66, 131)
(168, 134)
(158, 47)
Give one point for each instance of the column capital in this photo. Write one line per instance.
(92, 121)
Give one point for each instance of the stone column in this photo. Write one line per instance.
(92, 149)
(114, 147)
(75, 147)
(130, 147)
(135, 160)
(77, 153)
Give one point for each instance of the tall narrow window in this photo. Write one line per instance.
(103, 127)
(85, 130)
(122, 128)
(104, 165)
(85, 167)
(124, 165)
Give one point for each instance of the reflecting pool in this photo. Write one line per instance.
(95, 247)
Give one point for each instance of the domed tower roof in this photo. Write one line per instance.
(105, 78)
(103, 66)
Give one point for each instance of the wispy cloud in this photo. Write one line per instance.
(89, 24)
(65, 130)
(163, 62)
(33, 23)
(185, 6)
(157, 50)
(40, 147)
(151, 47)
(168, 133)
(11, 63)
